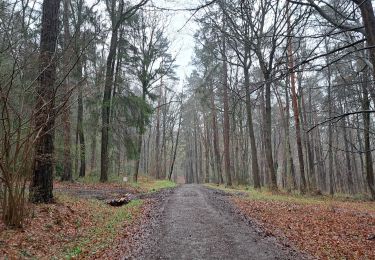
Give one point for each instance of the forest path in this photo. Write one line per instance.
(196, 222)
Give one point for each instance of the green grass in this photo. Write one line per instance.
(282, 196)
(144, 183)
(151, 185)
(95, 178)
(107, 222)
(162, 184)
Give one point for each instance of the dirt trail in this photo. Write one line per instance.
(195, 222)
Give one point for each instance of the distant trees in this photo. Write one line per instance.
(300, 57)
(150, 62)
(119, 12)
(281, 96)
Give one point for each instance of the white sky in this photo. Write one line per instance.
(181, 34)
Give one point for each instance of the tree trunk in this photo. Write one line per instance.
(196, 169)
(268, 136)
(254, 152)
(164, 135)
(93, 150)
(368, 156)
(81, 135)
(330, 141)
(175, 148)
(349, 167)
(207, 152)
(226, 130)
(157, 138)
(140, 139)
(41, 185)
(290, 172)
(310, 155)
(295, 108)
(106, 105)
(137, 161)
(67, 162)
(216, 138)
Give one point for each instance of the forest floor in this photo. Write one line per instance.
(190, 222)
(324, 227)
(80, 224)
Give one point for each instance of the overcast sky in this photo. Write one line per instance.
(181, 33)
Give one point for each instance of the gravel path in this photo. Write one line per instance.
(195, 222)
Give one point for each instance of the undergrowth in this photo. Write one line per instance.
(106, 224)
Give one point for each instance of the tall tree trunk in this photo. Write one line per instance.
(366, 134)
(330, 155)
(244, 158)
(41, 185)
(320, 158)
(356, 179)
(262, 142)
(164, 134)
(268, 136)
(67, 162)
(226, 130)
(81, 135)
(214, 176)
(349, 167)
(157, 138)
(141, 129)
(175, 148)
(76, 153)
(93, 150)
(196, 159)
(137, 161)
(310, 155)
(295, 107)
(249, 113)
(290, 172)
(330, 141)
(201, 175)
(106, 107)
(207, 151)
(338, 180)
(82, 147)
(310, 151)
(216, 137)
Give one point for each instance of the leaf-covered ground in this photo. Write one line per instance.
(325, 228)
(88, 188)
(78, 226)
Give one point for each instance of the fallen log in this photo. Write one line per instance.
(120, 201)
